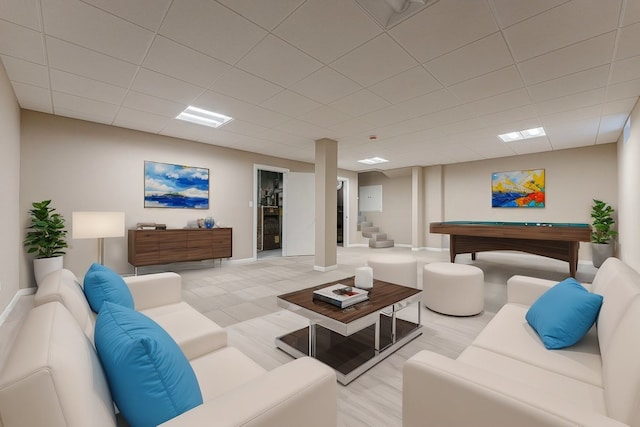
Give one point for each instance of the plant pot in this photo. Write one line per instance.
(600, 252)
(44, 266)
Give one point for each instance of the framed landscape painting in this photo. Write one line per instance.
(518, 189)
(175, 186)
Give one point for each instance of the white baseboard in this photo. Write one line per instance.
(7, 311)
(325, 269)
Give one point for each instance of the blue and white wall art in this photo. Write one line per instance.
(175, 186)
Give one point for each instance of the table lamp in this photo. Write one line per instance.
(97, 225)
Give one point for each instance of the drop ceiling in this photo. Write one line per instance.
(436, 87)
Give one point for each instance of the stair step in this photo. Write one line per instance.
(365, 224)
(369, 231)
(378, 236)
(380, 243)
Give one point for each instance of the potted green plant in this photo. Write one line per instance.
(602, 232)
(46, 239)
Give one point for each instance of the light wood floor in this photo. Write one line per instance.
(242, 297)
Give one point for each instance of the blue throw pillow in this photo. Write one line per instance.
(564, 314)
(150, 378)
(103, 284)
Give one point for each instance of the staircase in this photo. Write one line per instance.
(376, 238)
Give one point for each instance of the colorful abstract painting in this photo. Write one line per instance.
(175, 186)
(518, 189)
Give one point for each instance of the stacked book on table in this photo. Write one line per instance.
(341, 295)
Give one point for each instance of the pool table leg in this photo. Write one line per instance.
(573, 258)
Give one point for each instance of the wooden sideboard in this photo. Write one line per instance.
(152, 247)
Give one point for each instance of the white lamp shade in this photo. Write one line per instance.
(92, 225)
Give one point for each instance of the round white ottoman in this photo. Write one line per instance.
(398, 269)
(454, 289)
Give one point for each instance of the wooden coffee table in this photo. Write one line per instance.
(353, 339)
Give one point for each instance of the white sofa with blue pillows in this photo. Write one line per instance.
(516, 375)
(69, 365)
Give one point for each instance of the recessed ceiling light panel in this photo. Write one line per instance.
(373, 161)
(522, 134)
(203, 117)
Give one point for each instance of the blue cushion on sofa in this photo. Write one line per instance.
(150, 378)
(564, 314)
(103, 284)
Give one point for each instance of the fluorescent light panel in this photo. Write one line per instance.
(522, 134)
(373, 161)
(203, 117)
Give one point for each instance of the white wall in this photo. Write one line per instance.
(88, 166)
(629, 199)
(10, 225)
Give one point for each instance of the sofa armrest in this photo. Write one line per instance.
(154, 290)
(526, 290)
(300, 393)
(439, 391)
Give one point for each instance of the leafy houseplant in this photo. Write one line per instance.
(46, 238)
(602, 232)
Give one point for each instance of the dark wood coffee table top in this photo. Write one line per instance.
(382, 295)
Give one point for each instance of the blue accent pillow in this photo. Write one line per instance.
(564, 314)
(103, 284)
(150, 378)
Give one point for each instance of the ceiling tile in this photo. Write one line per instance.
(486, 55)
(33, 97)
(628, 45)
(306, 130)
(406, 85)
(83, 108)
(430, 33)
(87, 26)
(165, 87)
(572, 59)
(325, 86)
(21, 42)
(278, 62)
(536, 145)
(503, 102)
(631, 12)
(355, 128)
(240, 110)
(566, 117)
(266, 14)
(290, 103)
(173, 59)
(211, 28)
(561, 29)
(244, 86)
(623, 90)
(374, 61)
(22, 12)
(146, 13)
(359, 103)
(622, 106)
(324, 116)
(571, 102)
(490, 84)
(568, 135)
(510, 12)
(327, 29)
(140, 120)
(625, 69)
(78, 60)
(578, 82)
(72, 84)
(26, 72)
(504, 119)
(153, 105)
(185, 130)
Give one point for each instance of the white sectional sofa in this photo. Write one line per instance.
(506, 377)
(53, 375)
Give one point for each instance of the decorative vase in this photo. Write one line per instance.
(600, 252)
(364, 277)
(44, 266)
(208, 222)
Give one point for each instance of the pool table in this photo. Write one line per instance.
(554, 240)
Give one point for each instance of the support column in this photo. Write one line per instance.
(326, 175)
(417, 209)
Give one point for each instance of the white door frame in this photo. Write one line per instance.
(345, 211)
(256, 168)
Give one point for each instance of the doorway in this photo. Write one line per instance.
(269, 202)
(343, 212)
